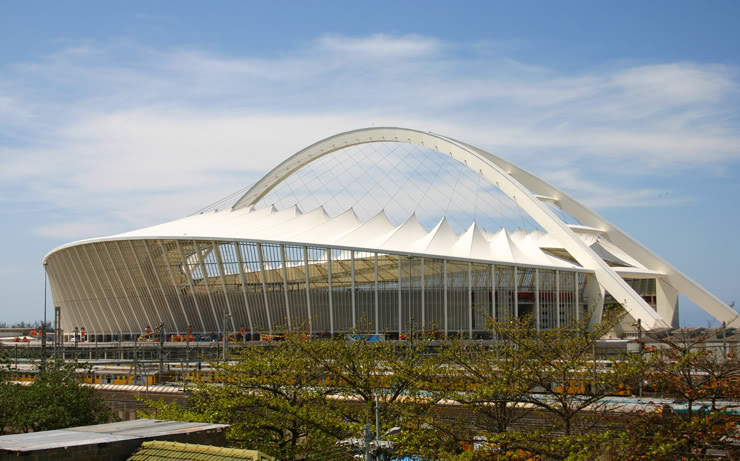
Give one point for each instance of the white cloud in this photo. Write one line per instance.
(134, 135)
(382, 46)
(600, 195)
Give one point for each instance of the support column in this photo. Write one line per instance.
(222, 276)
(537, 297)
(666, 298)
(578, 297)
(123, 289)
(377, 324)
(595, 294)
(92, 288)
(285, 285)
(557, 297)
(308, 290)
(161, 288)
(145, 281)
(243, 275)
(423, 289)
(96, 247)
(133, 284)
(189, 277)
(206, 283)
(400, 300)
(444, 269)
(516, 293)
(264, 286)
(331, 304)
(470, 300)
(493, 292)
(78, 299)
(354, 303)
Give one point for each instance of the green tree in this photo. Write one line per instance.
(55, 401)
(548, 375)
(297, 397)
(485, 380)
(682, 367)
(357, 372)
(271, 397)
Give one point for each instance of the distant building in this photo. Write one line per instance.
(258, 267)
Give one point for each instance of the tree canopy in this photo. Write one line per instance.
(56, 400)
(528, 394)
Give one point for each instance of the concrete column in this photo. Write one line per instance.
(667, 302)
(596, 294)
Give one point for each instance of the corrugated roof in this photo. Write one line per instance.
(162, 451)
(101, 433)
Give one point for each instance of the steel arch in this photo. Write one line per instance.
(528, 191)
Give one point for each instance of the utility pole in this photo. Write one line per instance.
(57, 326)
(377, 418)
(366, 446)
(43, 328)
(724, 340)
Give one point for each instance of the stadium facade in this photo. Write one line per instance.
(260, 268)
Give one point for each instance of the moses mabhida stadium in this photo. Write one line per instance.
(387, 230)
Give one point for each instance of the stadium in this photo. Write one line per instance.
(391, 231)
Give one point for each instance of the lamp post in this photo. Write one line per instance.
(43, 327)
(226, 317)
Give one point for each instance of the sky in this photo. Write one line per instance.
(116, 116)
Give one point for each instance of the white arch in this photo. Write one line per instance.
(528, 191)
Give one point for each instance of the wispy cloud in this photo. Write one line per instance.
(123, 133)
(382, 46)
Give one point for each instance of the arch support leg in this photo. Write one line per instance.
(596, 294)
(667, 302)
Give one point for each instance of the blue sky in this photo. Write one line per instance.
(118, 116)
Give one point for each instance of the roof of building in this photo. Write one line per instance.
(292, 225)
(161, 451)
(101, 433)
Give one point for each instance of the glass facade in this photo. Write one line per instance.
(116, 289)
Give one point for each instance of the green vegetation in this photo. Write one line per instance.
(297, 398)
(55, 401)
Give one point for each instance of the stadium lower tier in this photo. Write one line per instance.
(116, 289)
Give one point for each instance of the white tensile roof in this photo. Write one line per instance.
(316, 227)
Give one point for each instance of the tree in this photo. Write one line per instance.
(485, 380)
(549, 374)
(297, 397)
(684, 368)
(272, 398)
(55, 401)
(4, 362)
(360, 371)
(560, 371)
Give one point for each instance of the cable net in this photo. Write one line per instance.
(401, 179)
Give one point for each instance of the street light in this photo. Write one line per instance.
(43, 328)
(392, 431)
